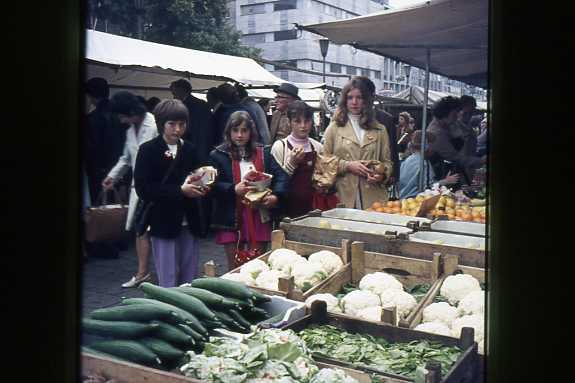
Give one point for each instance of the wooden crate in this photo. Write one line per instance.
(408, 271)
(126, 372)
(390, 243)
(286, 286)
(463, 371)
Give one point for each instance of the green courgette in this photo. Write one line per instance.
(128, 349)
(186, 302)
(173, 334)
(239, 318)
(224, 287)
(117, 329)
(259, 297)
(139, 313)
(165, 351)
(181, 316)
(211, 299)
(194, 334)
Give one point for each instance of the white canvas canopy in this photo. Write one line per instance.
(447, 37)
(454, 30)
(148, 68)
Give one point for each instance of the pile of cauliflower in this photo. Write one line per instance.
(376, 291)
(287, 263)
(466, 308)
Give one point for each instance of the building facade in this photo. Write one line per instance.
(269, 25)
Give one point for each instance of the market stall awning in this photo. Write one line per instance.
(455, 31)
(416, 94)
(142, 65)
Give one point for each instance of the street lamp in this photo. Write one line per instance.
(407, 72)
(323, 45)
(139, 5)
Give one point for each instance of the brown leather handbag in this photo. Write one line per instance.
(106, 223)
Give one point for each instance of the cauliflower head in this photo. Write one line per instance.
(372, 313)
(307, 274)
(440, 312)
(357, 300)
(283, 259)
(473, 303)
(475, 321)
(438, 328)
(331, 375)
(269, 279)
(329, 260)
(456, 287)
(378, 282)
(403, 301)
(239, 277)
(331, 302)
(254, 267)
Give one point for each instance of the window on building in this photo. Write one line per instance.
(254, 39)
(292, 63)
(377, 74)
(283, 5)
(290, 34)
(335, 68)
(365, 72)
(253, 9)
(350, 70)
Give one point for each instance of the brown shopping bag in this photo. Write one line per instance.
(106, 223)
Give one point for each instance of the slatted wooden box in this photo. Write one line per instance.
(464, 370)
(286, 286)
(386, 240)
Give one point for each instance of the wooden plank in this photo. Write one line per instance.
(210, 269)
(278, 239)
(357, 262)
(358, 375)
(127, 372)
(427, 300)
(413, 270)
(333, 284)
(381, 243)
(474, 271)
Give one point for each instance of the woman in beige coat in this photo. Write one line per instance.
(355, 137)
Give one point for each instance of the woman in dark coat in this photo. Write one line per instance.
(173, 219)
(240, 153)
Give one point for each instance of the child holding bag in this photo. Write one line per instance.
(236, 222)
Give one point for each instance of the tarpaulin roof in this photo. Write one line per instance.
(415, 94)
(455, 31)
(137, 64)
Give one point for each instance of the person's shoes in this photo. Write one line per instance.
(136, 282)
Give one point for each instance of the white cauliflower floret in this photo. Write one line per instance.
(378, 282)
(238, 277)
(254, 267)
(372, 313)
(269, 279)
(475, 321)
(472, 303)
(440, 312)
(283, 259)
(357, 300)
(403, 301)
(331, 301)
(329, 260)
(330, 375)
(438, 328)
(456, 287)
(307, 274)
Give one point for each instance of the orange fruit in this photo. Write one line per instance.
(477, 219)
(397, 209)
(369, 209)
(380, 209)
(396, 204)
(389, 204)
(376, 205)
(466, 217)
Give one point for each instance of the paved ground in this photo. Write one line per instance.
(102, 278)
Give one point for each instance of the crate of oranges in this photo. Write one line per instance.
(459, 211)
(419, 206)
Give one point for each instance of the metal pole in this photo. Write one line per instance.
(422, 173)
(324, 69)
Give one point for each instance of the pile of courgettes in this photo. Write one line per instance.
(156, 331)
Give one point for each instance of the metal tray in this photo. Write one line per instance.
(455, 240)
(372, 216)
(459, 227)
(347, 225)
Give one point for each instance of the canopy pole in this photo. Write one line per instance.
(422, 171)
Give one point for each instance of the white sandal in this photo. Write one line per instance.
(135, 282)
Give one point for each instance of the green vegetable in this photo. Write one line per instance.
(224, 287)
(165, 351)
(141, 313)
(117, 329)
(211, 299)
(366, 350)
(128, 349)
